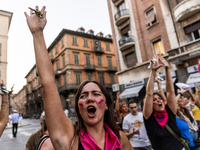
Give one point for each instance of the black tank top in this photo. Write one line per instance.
(41, 142)
(120, 124)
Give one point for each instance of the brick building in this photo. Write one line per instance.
(76, 56)
(142, 29)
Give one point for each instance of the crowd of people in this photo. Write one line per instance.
(166, 122)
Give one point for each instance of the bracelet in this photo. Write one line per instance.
(180, 93)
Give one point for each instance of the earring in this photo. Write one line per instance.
(106, 108)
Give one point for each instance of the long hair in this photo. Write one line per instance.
(108, 115)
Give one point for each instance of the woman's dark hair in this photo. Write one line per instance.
(185, 112)
(109, 118)
(159, 94)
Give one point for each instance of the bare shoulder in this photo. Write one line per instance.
(124, 141)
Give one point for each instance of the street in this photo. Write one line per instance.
(29, 126)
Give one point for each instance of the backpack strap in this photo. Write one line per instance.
(181, 140)
(41, 142)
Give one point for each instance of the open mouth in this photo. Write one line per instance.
(91, 111)
(160, 104)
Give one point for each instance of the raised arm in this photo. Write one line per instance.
(117, 108)
(160, 89)
(148, 100)
(60, 127)
(171, 98)
(4, 113)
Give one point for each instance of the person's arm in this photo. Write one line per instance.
(4, 113)
(148, 100)
(58, 124)
(180, 93)
(130, 134)
(119, 118)
(125, 144)
(171, 98)
(160, 89)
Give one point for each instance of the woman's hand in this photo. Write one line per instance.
(35, 23)
(118, 94)
(163, 61)
(155, 63)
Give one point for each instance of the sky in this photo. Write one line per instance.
(67, 14)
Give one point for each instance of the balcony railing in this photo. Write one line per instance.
(121, 16)
(98, 50)
(89, 67)
(111, 69)
(68, 87)
(126, 42)
(185, 52)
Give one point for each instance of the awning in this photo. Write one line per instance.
(193, 79)
(131, 92)
(162, 84)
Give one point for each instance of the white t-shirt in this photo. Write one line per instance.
(137, 122)
(66, 112)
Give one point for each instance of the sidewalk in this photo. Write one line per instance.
(23, 122)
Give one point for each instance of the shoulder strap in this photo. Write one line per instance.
(41, 142)
(181, 140)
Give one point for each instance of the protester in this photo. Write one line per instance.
(157, 115)
(44, 142)
(96, 128)
(35, 137)
(4, 113)
(14, 118)
(134, 128)
(121, 110)
(185, 112)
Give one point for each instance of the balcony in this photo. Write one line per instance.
(111, 69)
(98, 50)
(185, 52)
(117, 2)
(185, 9)
(126, 43)
(89, 67)
(121, 16)
(68, 87)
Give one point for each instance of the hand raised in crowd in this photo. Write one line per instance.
(163, 61)
(182, 90)
(34, 22)
(155, 63)
(118, 94)
(157, 80)
(197, 88)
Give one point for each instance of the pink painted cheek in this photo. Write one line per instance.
(101, 101)
(80, 104)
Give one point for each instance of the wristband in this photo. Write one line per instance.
(180, 93)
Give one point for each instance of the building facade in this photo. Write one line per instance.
(142, 29)
(76, 56)
(5, 20)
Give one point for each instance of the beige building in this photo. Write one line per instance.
(5, 20)
(142, 29)
(18, 101)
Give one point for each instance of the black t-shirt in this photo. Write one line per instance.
(161, 138)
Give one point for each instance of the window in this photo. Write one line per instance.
(158, 47)
(122, 9)
(58, 82)
(0, 49)
(150, 17)
(85, 42)
(74, 40)
(87, 60)
(82, 30)
(192, 31)
(112, 79)
(51, 54)
(63, 58)
(109, 62)
(78, 78)
(89, 76)
(57, 65)
(101, 78)
(39, 81)
(91, 33)
(76, 59)
(65, 78)
(99, 61)
(129, 58)
(56, 49)
(97, 46)
(101, 35)
(62, 43)
(107, 47)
